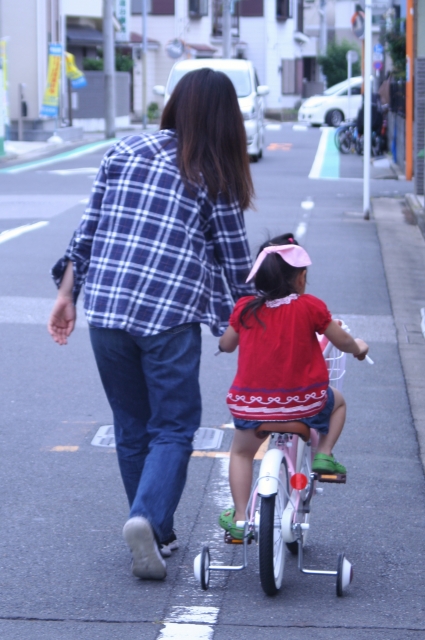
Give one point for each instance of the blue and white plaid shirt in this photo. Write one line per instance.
(154, 254)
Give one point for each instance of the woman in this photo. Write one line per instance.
(163, 230)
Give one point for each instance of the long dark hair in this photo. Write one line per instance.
(204, 110)
(274, 279)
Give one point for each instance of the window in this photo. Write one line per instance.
(162, 7)
(198, 8)
(283, 9)
(288, 77)
(251, 8)
(300, 15)
(356, 91)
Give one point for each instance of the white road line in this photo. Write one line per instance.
(316, 169)
(18, 231)
(300, 127)
(192, 623)
(74, 172)
(300, 231)
(273, 127)
(175, 631)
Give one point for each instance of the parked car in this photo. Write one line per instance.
(250, 94)
(334, 105)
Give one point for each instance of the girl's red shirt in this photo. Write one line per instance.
(281, 373)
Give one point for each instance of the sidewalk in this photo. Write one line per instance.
(403, 253)
(21, 151)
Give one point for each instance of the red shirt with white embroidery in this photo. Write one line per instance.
(281, 374)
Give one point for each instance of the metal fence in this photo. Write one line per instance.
(398, 97)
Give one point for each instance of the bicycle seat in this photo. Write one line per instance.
(295, 427)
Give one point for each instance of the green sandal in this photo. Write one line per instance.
(323, 463)
(227, 523)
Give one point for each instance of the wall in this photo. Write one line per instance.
(24, 22)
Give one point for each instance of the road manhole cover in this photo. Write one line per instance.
(204, 440)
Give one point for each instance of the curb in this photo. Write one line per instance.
(403, 256)
(417, 210)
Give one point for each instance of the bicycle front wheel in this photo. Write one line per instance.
(272, 548)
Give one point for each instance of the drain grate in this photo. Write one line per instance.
(205, 438)
(105, 437)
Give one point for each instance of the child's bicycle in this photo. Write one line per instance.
(278, 512)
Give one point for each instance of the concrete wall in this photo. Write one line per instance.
(396, 139)
(24, 22)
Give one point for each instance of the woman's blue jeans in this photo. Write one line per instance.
(152, 385)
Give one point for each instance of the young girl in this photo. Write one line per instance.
(281, 372)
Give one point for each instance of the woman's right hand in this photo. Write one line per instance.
(62, 319)
(364, 348)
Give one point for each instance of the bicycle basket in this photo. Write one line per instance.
(335, 360)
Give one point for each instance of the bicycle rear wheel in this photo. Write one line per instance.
(345, 141)
(272, 548)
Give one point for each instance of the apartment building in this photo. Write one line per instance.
(268, 32)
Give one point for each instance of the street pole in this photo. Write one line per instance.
(109, 68)
(227, 30)
(2, 98)
(323, 42)
(144, 62)
(367, 123)
(409, 89)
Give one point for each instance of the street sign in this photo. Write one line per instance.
(378, 65)
(378, 48)
(352, 56)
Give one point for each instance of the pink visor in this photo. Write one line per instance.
(293, 254)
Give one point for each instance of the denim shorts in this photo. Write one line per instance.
(320, 421)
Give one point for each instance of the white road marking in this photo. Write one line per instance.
(74, 172)
(85, 201)
(300, 231)
(316, 169)
(18, 231)
(175, 631)
(307, 204)
(191, 623)
(300, 127)
(273, 127)
(203, 615)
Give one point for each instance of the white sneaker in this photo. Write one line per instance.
(147, 561)
(169, 545)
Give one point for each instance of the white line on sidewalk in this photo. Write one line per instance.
(18, 231)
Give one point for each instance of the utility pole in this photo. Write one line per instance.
(109, 68)
(2, 96)
(227, 29)
(367, 125)
(144, 61)
(323, 33)
(409, 89)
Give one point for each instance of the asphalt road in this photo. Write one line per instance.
(64, 568)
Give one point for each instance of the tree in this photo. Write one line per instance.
(334, 63)
(396, 47)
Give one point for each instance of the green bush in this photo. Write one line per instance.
(334, 63)
(92, 64)
(122, 63)
(153, 111)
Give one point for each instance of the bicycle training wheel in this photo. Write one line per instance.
(272, 549)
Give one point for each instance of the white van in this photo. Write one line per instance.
(250, 94)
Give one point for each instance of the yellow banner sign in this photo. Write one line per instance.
(50, 106)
